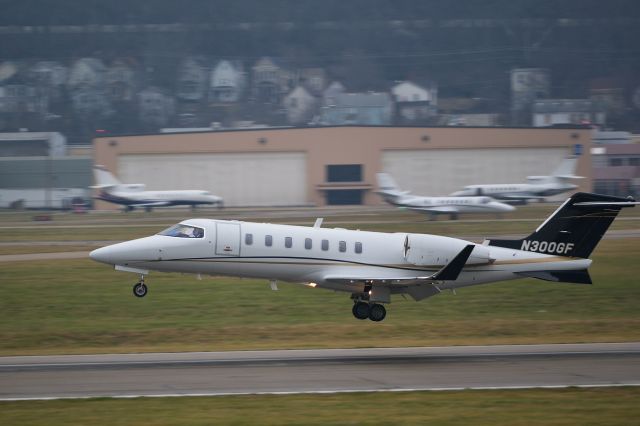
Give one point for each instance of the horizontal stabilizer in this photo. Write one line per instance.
(575, 277)
(629, 203)
(574, 229)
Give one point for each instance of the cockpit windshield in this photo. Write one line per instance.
(183, 231)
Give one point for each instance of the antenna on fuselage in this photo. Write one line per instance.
(318, 223)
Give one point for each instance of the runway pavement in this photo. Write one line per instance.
(319, 371)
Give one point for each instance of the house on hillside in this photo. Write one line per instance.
(415, 104)
(527, 86)
(314, 80)
(155, 108)
(120, 81)
(227, 82)
(329, 95)
(86, 73)
(358, 108)
(608, 93)
(270, 82)
(50, 78)
(553, 112)
(192, 80)
(86, 86)
(300, 106)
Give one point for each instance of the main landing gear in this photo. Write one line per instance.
(140, 289)
(374, 311)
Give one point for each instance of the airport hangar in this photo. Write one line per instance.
(318, 166)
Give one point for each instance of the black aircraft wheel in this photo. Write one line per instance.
(377, 312)
(140, 290)
(360, 310)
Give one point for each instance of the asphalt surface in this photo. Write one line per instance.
(319, 371)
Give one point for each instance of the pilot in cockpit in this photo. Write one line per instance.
(183, 231)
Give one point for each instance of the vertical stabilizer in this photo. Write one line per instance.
(566, 169)
(104, 178)
(388, 188)
(574, 229)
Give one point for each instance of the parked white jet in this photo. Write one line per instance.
(538, 187)
(371, 265)
(392, 194)
(134, 195)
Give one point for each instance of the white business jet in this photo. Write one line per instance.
(135, 195)
(537, 188)
(392, 194)
(371, 265)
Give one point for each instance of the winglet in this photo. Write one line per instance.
(452, 269)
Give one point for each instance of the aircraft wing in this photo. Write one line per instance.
(103, 186)
(419, 287)
(150, 203)
(519, 197)
(434, 209)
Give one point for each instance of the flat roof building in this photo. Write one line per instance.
(337, 165)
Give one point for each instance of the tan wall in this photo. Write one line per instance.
(344, 145)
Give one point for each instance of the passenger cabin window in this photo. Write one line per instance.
(307, 243)
(183, 231)
(358, 248)
(268, 240)
(248, 239)
(325, 245)
(342, 246)
(288, 242)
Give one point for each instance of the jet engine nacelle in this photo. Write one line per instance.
(423, 250)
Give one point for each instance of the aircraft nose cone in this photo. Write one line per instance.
(104, 255)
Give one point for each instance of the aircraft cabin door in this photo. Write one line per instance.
(227, 239)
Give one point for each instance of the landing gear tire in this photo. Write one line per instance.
(360, 310)
(140, 290)
(377, 312)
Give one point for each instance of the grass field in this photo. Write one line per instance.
(610, 406)
(78, 306)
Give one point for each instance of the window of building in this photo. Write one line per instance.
(307, 243)
(248, 239)
(288, 242)
(342, 246)
(344, 173)
(325, 245)
(268, 240)
(358, 247)
(344, 196)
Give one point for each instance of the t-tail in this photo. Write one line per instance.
(107, 182)
(574, 229)
(388, 189)
(561, 175)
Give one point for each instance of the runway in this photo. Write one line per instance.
(319, 371)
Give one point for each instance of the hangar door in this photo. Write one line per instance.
(442, 171)
(242, 179)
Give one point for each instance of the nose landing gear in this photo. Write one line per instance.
(140, 289)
